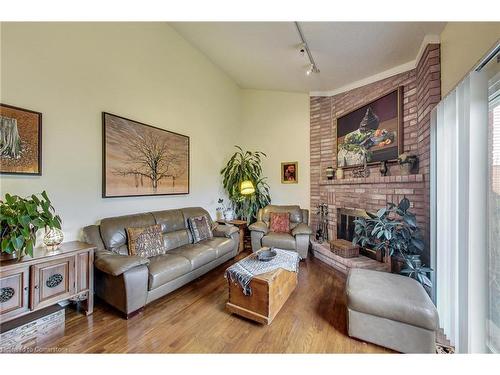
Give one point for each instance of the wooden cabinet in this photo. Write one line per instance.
(52, 281)
(49, 277)
(14, 292)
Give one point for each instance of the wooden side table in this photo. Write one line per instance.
(242, 226)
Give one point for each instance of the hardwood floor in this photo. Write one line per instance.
(193, 320)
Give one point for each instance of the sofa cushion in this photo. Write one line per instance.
(145, 242)
(173, 240)
(283, 241)
(165, 268)
(279, 222)
(113, 229)
(390, 296)
(222, 245)
(200, 228)
(197, 254)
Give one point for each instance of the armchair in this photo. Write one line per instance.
(297, 239)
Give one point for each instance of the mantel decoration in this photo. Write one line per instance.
(20, 219)
(394, 229)
(373, 132)
(140, 159)
(407, 163)
(244, 167)
(20, 141)
(330, 172)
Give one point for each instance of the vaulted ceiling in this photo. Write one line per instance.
(264, 55)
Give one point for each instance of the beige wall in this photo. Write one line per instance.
(277, 123)
(72, 71)
(463, 44)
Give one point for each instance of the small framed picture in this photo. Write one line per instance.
(20, 141)
(289, 172)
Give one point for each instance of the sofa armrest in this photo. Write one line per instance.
(92, 235)
(225, 230)
(115, 264)
(259, 226)
(301, 229)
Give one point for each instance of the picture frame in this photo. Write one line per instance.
(290, 172)
(20, 141)
(127, 149)
(373, 131)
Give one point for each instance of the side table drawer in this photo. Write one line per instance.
(13, 293)
(52, 281)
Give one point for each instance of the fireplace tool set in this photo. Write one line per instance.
(322, 231)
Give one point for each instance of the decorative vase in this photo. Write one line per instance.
(53, 238)
(340, 173)
(406, 168)
(229, 215)
(330, 172)
(383, 168)
(219, 215)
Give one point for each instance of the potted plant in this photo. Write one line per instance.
(394, 230)
(20, 219)
(245, 166)
(407, 163)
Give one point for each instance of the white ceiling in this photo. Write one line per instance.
(264, 55)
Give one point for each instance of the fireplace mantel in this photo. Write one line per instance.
(375, 180)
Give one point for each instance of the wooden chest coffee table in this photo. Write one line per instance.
(269, 293)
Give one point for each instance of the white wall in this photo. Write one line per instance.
(144, 71)
(277, 123)
(463, 44)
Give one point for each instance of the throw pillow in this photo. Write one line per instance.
(200, 228)
(279, 222)
(145, 241)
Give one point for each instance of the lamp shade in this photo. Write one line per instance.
(246, 188)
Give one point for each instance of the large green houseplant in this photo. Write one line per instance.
(246, 166)
(21, 218)
(394, 229)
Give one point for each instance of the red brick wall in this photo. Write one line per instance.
(421, 92)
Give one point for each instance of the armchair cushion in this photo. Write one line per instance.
(114, 264)
(283, 241)
(301, 229)
(279, 222)
(259, 226)
(225, 230)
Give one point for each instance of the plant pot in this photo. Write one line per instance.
(406, 169)
(6, 256)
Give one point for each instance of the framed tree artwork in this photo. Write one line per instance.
(371, 133)
(20, 141)
(140, 159)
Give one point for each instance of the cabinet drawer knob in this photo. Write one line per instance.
(36, 286)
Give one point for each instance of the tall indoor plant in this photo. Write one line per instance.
(21, 218)
(246, 166)
(394, 229)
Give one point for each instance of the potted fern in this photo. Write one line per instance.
(20, 219)
(245, 166)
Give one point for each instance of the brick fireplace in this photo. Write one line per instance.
(421, 92)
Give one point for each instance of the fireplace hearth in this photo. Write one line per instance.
(345, 228)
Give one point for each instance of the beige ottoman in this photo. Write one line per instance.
(390, 310)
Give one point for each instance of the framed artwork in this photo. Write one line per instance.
(20, 141)
(289, 172)
(140, 159)
(373, 132)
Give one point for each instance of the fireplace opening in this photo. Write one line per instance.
(345, 227)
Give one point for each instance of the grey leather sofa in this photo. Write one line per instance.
(128, 283)
(391, 310)
(297, 240)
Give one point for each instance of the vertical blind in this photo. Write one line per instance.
(459, 171)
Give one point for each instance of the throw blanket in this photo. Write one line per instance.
(244, 270)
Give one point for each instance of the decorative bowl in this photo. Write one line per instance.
(266, 255)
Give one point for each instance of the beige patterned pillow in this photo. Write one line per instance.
(145, 241)
(200, 228)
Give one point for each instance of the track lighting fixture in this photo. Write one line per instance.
(304, 49)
